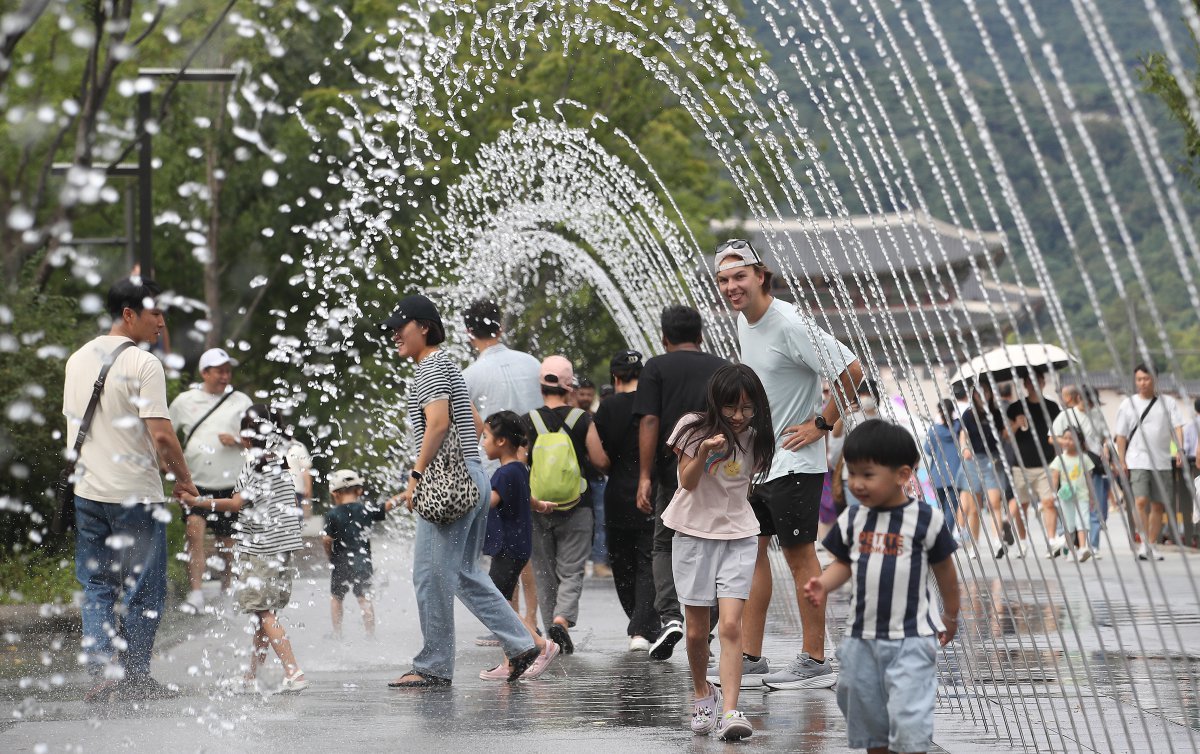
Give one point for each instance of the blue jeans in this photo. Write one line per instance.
(599, 538)
(120, 556)
(446, 565)
(1100, 513)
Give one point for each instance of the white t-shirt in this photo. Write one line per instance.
(118, 462)
(213, 465)
(1150, 448)
(1082, 421)
(298, 462)
(780, 348)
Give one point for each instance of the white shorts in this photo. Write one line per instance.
(706, 570)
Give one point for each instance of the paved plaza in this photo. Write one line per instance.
(602, 697)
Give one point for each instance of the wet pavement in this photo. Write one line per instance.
(1017, 681)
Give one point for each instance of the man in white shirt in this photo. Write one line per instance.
(300, 464)
(209, 417)
(120, 514)
(502, 379)
(1147, 425)
(790, 354)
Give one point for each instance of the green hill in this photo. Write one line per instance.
(874, 52)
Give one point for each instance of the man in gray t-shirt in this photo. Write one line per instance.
(790, 354)
(502, 379)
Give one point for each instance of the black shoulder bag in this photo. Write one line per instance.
(183, 445)
(64, 491)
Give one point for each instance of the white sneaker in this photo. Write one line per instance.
(1019, 549)
(639, 644)
(293, 685)
(1085, 554)
(1145, 552)
(972, 552)
(194, 603)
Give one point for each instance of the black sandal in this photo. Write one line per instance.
(519, 664)
(421, 681)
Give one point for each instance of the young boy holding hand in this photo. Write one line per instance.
(888, 545)
(347, 541)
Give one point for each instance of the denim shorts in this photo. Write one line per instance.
(977, 475)
(886, 692)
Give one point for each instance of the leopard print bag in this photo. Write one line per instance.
(446, 491)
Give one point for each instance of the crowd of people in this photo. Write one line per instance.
(674, 482)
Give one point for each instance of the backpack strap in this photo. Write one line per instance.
(539, 423)
(573, 417)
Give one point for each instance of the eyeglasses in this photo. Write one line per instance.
(730, 411)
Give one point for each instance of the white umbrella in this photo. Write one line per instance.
(1009, 362)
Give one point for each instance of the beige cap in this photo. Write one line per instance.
(557, 372)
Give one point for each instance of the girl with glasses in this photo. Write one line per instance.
(716, 533)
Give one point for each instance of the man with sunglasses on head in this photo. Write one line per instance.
(790, 354)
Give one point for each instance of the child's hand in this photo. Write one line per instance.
(187, 499)
(541, 506)
(947, 636)
(815, 592)
(714, 444)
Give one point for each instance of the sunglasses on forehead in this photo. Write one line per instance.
(741, 248)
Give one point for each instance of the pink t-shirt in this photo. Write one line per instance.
(718, 508)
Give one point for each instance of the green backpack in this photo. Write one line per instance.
(555, 476)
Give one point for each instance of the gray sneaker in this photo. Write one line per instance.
(753, 673)
(802, 673)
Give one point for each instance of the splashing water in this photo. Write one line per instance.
(843, 128)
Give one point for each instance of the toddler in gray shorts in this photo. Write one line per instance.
(887, 547)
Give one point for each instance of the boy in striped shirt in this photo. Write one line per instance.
(267, 533)
(887, 547)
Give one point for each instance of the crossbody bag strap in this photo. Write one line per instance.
(86, 424)
(207, 414)
(1142, 419)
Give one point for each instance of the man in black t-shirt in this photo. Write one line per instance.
(630, 531)
(671, 385)
(1030, 420)
(562, 539)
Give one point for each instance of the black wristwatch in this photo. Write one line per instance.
(821, 424)
(416, 474)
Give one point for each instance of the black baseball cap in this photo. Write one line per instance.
(411, 307)
(625, 359)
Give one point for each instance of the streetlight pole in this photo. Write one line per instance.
(145, 250)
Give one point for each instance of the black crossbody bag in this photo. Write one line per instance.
(64, 490)
(183, 445)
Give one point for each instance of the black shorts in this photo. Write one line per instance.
(506, 574)
(343, 579)
(219, 523)
(789, 507)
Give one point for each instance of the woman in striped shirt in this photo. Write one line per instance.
(446, 556)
